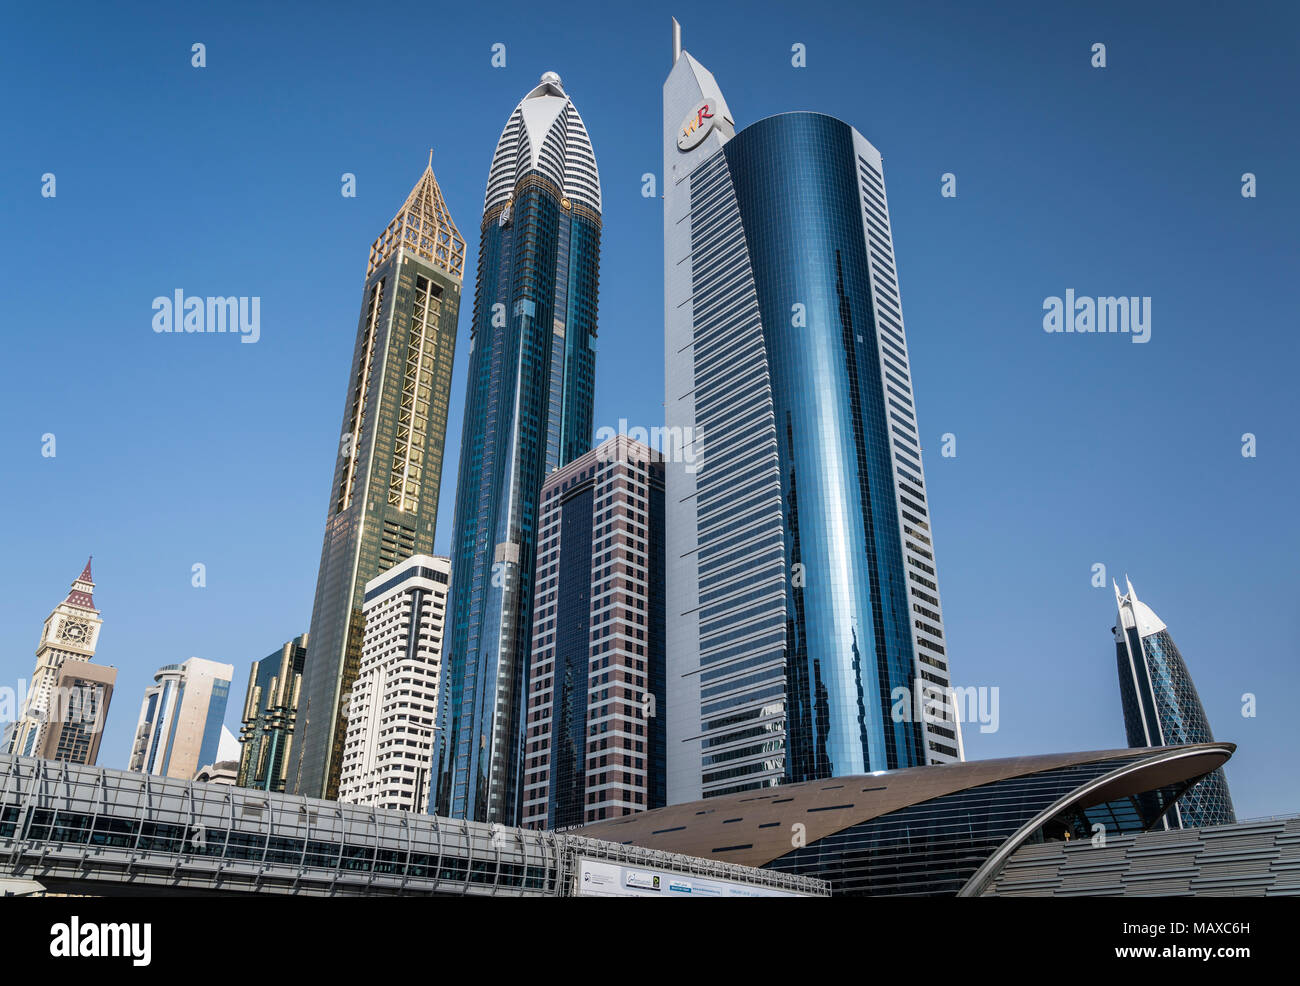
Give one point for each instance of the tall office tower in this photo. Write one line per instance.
(62, 715)
(594, 746)
(389, 742)
(804, 626)
(181, 719)
(384, 499)
(1161, 707)
(271, 716)
(528, 410)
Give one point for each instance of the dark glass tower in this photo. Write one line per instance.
(270, 716)
(805, 633)
(1161, 707)
(528, 410)
(384, 497)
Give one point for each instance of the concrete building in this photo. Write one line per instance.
(181, 719)
(594, 746)
(388, 746)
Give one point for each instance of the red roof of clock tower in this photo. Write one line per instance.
(83, 596)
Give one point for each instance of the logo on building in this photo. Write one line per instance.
(696, 126)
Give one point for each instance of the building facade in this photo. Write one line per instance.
(62, 715)
(383, 503)
(1161, 707)
(266, 732)
(803, 604)
(182, 719)
(949, 831)
(388, 748)
(594, 746)
(528, 411)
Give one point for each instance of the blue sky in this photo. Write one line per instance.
(1071, 450)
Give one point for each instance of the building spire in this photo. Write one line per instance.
(424, 227)
(677, 41)
(83, 588)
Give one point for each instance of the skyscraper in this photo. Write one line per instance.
(803, 605)
(384, 498)
(389, 744)
(270, 717)
(182, 719)
(528, 410)
(1161, 707)
(62, 715)
(594, 747)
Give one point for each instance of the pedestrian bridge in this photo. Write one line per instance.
(92, 830)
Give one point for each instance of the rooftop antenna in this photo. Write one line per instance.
(677, 41)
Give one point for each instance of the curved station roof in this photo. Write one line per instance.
(942, 829)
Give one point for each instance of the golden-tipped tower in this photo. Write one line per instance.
(423, 225)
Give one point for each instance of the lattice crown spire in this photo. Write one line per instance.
(424, 226)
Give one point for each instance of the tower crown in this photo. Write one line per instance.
(545, 134)
(423, 225)
(1135, 613)
(83, 588)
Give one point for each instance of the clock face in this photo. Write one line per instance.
(75, 631)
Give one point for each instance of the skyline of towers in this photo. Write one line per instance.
(182, 720)
(389, 743)
(528, 411)
(801, 582)
(383, 504)
(807, 586)
(63, 714)
(594, 746)
(266, 732)
(1161, 706)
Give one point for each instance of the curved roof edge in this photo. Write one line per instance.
(1104, 788)
(753, 827)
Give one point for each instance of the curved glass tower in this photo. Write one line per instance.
(805, 635)
(528, 411)
(1161, 707)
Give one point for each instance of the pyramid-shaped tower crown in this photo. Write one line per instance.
(423, 225)
(83, 588)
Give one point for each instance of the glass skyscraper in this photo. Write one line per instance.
(805, 635)
(1161, 707)
(528, 411)
(270, 716)
(383, 504)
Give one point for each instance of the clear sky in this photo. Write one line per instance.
(1072, 450)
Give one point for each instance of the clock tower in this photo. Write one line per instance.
(70, 634)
